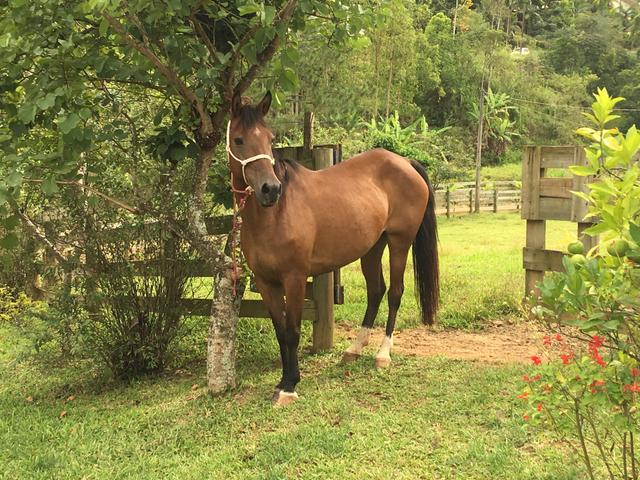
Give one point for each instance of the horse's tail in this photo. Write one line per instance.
(425, 257)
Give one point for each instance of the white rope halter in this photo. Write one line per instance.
(246, 161)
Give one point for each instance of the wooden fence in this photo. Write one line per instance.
(545, 198)
(496, 196)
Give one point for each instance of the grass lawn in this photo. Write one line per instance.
(481, 272)
(423, 418)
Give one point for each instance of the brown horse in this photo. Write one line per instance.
(298, 222)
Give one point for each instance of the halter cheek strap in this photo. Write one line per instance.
(246, 161)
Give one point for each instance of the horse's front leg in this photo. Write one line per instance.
(294, 288)
(273, 298)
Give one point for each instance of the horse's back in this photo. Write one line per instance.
(355, 202)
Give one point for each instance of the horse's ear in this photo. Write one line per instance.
(265, 103)
(236, 103)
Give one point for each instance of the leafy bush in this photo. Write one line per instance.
(592, 392)
(138, 274)
(412, 142)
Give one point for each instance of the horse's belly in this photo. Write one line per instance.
(337, 247)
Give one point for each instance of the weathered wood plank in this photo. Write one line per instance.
(556, 187)
(557, 156)
(536, 239)
(555, 208)
(531, 183)
(201, 307)
(542, 260)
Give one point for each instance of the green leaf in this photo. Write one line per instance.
(104, 27)
(288, 79)
(85, 113)
(582, 170)
(69, 122)
(11, 222)
(27, 113)
(634, 231)
(49, 186)
(9, 241)
(46, 102)
(14, 179)
(249, 51)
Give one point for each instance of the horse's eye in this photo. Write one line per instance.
(238, 141)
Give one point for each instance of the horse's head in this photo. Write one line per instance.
(249, 148)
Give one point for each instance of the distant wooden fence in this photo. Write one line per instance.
(494, 196)
(545, 198)
(321, 293)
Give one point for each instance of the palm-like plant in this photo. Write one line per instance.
(499, 129)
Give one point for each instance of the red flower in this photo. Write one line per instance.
(558, 337)
(523, 395)
(536, 360)
(594, 344)
(546, 340)
(525, 417)
(536, 378)
(595, 385)
(566, 358)
(526, 378)
(539, 407)
(632, 387)
(635, 372)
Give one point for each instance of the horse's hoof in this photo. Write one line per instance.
(348, 357)
(383, 362)
(284, 398)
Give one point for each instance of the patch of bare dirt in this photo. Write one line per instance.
(506, 343)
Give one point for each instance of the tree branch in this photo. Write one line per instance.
(40, 237)
(171, 76)
(204, 37)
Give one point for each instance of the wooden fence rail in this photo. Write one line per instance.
(494, 196)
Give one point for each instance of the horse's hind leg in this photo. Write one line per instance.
(371, 266)
(398, 251)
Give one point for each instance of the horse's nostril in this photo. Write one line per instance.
(265, 188)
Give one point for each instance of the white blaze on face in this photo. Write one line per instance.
(385, 348)
(361, 341)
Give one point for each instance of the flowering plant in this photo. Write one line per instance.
(587, 391)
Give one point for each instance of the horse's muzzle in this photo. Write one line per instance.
(269, 193)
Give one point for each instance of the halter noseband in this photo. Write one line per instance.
(246, 161)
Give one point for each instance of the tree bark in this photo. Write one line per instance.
(221, 343)
(479, 144)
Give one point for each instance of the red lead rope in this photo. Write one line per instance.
(239, 200)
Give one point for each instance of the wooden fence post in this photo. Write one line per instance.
(323, 294)
(536, 233)
(471, 201)
(447, 198)
(495, 200)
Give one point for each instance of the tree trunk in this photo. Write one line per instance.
(455, 18)
(479, 144)
(221, 343)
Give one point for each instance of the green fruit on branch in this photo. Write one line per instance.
(576, 247)
(618, 248)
